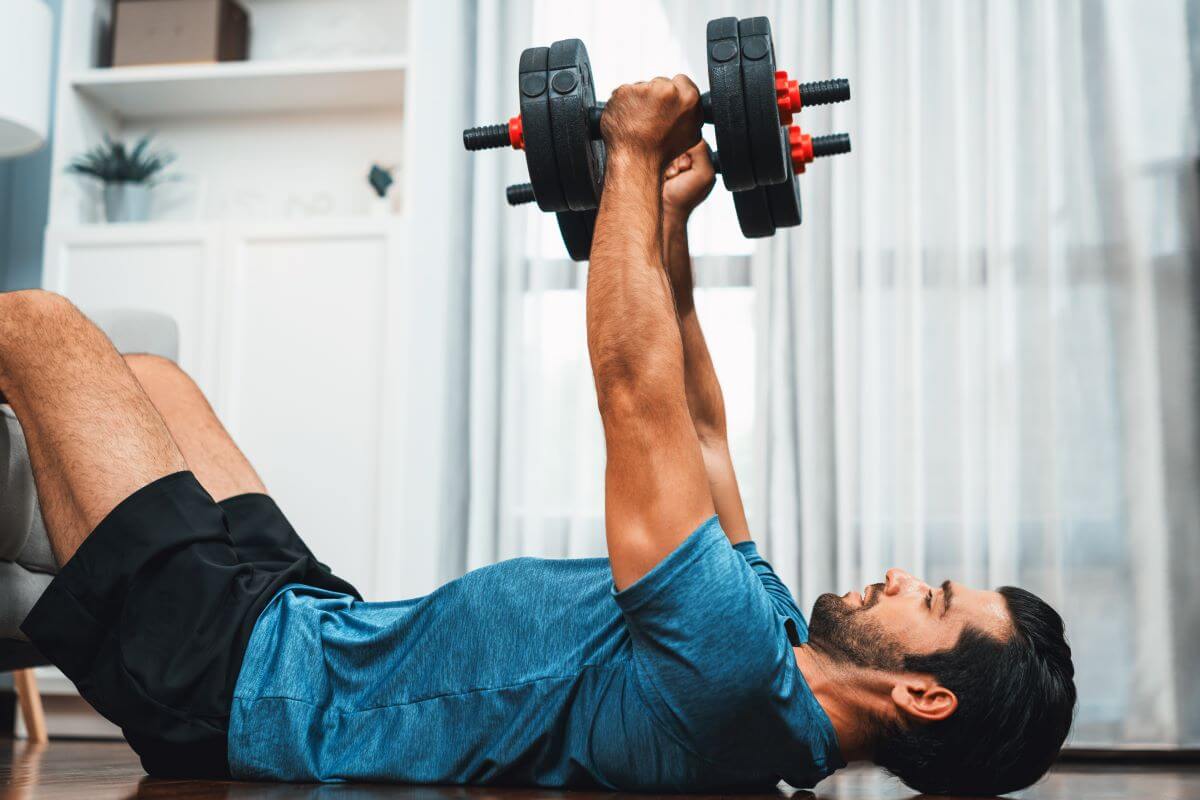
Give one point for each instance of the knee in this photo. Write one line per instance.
(29, 316)
(149, 362)
(25, 317)
(34, 305)
(155, 370)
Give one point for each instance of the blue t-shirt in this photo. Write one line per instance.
(536, 672)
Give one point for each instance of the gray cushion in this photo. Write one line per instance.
(133, 331)
(26, 563)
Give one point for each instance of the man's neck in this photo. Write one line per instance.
(849, 695)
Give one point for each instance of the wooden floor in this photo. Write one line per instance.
(102, 770)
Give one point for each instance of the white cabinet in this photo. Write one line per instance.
(169, 269)
(287, 329)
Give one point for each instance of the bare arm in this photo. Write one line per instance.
(689, 179)
(656, 489)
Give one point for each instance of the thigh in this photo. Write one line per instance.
(94, 437)
(207, 447)
(263, 537)
(260, 531)
(152, 616)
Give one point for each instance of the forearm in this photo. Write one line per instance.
(706, 402)
(632, 333)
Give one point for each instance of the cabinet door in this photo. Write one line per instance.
(303, 362)
(170, 270)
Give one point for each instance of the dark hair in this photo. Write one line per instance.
(1016, 700)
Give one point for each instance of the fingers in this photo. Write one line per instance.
(699, 155)
(690, 97)
(687, 88)
(680, 164)
(661, 116)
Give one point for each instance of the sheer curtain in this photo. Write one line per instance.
(537, 450)
(976, 358)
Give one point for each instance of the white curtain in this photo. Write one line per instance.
(975, 359)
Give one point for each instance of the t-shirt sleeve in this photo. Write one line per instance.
(780, 596)
(710, 653)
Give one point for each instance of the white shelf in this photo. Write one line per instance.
(154, 231)
(185, 90)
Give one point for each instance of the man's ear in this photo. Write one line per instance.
(923, 699)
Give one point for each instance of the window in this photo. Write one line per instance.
(555, 446)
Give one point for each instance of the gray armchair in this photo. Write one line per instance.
(26, 563)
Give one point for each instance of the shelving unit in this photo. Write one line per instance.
(288, 134)
(263, 87)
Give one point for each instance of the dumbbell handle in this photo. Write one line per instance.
(813, 93)
(791, 96)
(519, 193)
(822, 146)
(833, 144)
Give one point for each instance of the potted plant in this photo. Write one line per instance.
(127, 175)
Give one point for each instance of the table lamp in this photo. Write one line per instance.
(25, 52)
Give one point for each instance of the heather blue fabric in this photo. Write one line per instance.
(537, 672)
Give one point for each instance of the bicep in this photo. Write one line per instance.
(655, 487)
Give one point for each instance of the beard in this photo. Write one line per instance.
(848, 636)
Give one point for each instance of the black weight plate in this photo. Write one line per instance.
(768, 139)
(754, 213)
(784, 201)
(577, 228)
(572, 96)
(534, 91)
(728, 104)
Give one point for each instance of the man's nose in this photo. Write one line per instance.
(897, 581)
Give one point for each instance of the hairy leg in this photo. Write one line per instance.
(94, 436)
(220, 466)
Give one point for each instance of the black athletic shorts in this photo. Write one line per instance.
(151, 616)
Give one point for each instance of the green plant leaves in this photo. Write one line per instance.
(112, 162)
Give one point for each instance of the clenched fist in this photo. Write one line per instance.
(658, 119)
(688, 180)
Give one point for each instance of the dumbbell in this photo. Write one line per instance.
(558, 127)
(747, 105)
(760, 211)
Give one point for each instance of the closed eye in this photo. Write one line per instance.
(929, 600)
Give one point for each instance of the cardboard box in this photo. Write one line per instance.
(179, 31)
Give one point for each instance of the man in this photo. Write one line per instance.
(211, 634)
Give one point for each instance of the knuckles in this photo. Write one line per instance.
(659, 113)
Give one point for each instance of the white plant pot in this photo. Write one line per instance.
(126, 202)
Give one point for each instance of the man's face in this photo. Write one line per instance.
(903, 616)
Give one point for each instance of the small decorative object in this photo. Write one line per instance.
(382, 181)
(179, 31)
(127, 175)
